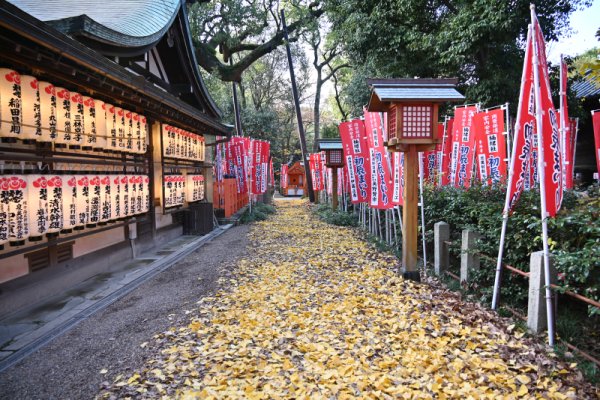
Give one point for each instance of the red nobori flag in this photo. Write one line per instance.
(446, 156)
(265, 157)
(381, 180)
(596, 123)
(490, 145)
(283, 176)
(570, 155)
(316, 173)
(398, 187)
(548, 135)
(463, 146)
(431, 160)
(524, 127)
(358, 164)
(256, 167)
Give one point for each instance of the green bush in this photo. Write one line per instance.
(574, 236)
(338, 217)
(260, 212)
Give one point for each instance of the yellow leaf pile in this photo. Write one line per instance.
(315, 312)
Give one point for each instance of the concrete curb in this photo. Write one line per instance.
(55, 330)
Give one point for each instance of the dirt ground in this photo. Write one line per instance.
(69, 367)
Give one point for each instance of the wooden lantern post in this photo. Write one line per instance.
(334, 159)
(412, 114)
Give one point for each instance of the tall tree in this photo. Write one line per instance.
(326, 64)
(478, 41)
(249, 29)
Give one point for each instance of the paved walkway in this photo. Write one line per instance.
(314, 311)
(29, 329)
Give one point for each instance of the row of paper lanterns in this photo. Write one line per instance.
(181, 188)
(33, 110)
(32, 206)
(181, 144)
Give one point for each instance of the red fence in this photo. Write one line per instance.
(226, 197)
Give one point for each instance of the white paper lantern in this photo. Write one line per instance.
(125, 196)
(83, 200)
(105, 199)
(132, 194)
(101, 125)
(89, 119)
(18, 207)
(32, 117)
(166, 140)
(120, 127)
(146, 194)
(48, 111)
(144, 131)
(3, 211)
(181, 189)
(11, 116)
(37, 193)
(128, 138)
(137, 133)
(70, 191)
(194, 188)
(77, 121)
(55, 205)
(111, 128)
(115, 197)
(95, 192)
(63, 118)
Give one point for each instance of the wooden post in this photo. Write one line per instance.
(334, 183)
(410, 214)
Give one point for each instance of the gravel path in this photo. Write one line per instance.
(69, 367)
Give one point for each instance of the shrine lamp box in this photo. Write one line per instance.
(412, 109)
(334, 152)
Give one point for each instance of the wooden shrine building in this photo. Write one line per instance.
(296, 181)
(107, 127)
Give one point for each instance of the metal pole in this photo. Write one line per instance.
(422, 213)
(542, 176)
(311, 194)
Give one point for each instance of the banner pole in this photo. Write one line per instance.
(541, 174)
(563, 130)
(508, 144)
(422, 213)
(511, 174)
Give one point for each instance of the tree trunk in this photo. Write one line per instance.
(317, 112)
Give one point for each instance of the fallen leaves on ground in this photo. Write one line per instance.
(316, 312)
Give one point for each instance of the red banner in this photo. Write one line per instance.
(431, 160)
(490, 145)
(463, 146)
(398, 187)
(256, 167)
(381, 181)
(596, 122)
(446, 156)
(571, 149)
(550, 138)
(358, 163)
(316, 171)
(283, 176)
(524, 127)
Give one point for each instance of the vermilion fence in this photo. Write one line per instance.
(226, 197)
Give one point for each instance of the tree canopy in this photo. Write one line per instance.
(478, 41)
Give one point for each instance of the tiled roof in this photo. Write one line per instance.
(587, 87)
(132, 23)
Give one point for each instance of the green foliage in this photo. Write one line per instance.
(260, 212)
(338, 218)
(480, 42)
(574, 236)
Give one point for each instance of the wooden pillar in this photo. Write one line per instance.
(334, 183)
(410, 214)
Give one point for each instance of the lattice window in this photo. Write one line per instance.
(392, 121)
(417, 121)
(335, 157)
